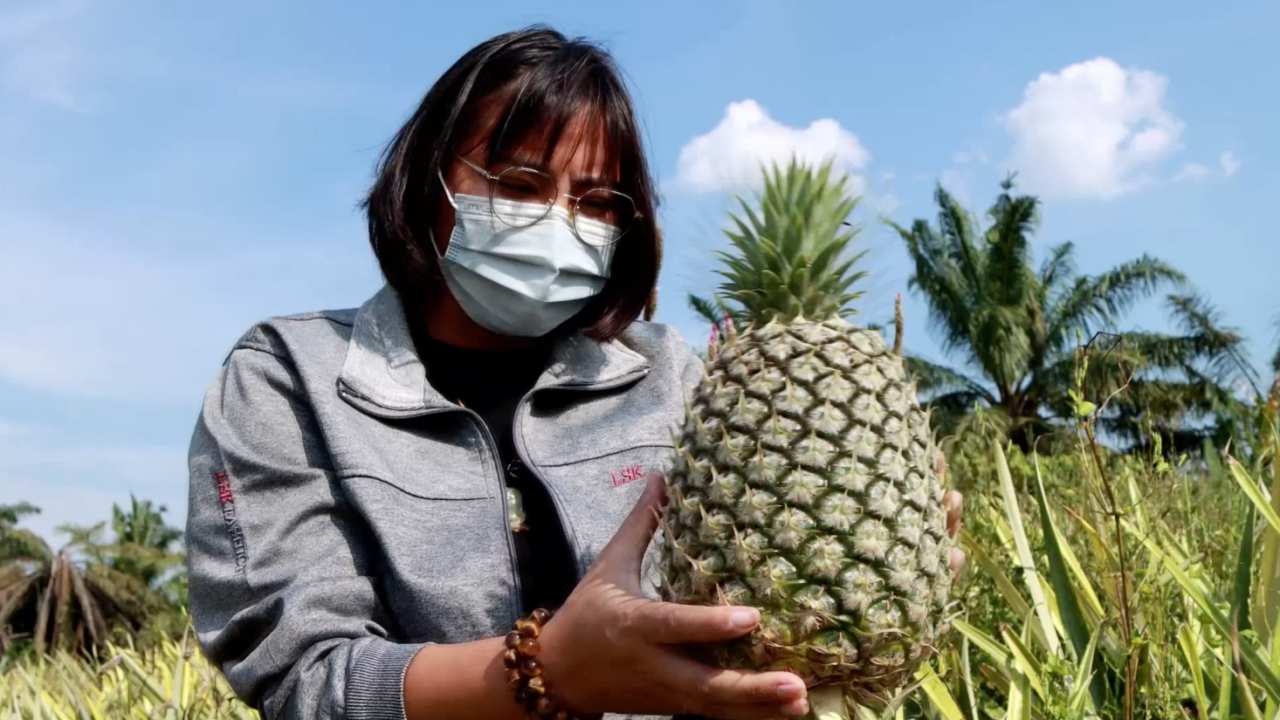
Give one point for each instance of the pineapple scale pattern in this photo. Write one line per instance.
(804, 484)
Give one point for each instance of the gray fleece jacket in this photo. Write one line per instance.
(343, 513)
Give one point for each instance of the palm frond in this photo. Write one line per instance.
(934, 379)
(1059, 266)
(10, 514)
(1094, 302)
(1007, 268)
(937, 276)
(23, 544)
(17, 590)
(709, 310)
(955, 226)
(1219, 346)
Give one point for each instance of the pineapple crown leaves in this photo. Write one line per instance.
(790, 254)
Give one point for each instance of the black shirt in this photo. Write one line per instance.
(491, 383)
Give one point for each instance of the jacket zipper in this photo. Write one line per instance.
(494, 460)
(522, 452)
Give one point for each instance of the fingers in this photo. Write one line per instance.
(735, 694)
(953, 502)
(632, 538)
(940, 467)
(673, 623)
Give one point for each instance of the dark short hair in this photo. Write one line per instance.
(543, 81)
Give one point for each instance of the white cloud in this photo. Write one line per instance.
(1229, 163)
(729, 157)
(1092, 129)
(1192, 171)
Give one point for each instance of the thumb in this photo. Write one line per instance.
(627, 548)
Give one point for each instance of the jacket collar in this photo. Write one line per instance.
(383, 370)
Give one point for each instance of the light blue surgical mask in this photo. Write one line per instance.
(522, 281)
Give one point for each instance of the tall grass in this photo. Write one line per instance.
(168, 681)
(1146, 589)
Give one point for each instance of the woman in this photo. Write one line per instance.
(378, 494)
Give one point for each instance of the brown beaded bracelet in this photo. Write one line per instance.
(524, 671)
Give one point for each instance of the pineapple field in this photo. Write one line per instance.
(168, 680)
(1121, 491)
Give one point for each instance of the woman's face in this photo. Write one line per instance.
(579, 162)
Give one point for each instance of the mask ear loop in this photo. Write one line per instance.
(431, 233)
(447, 192)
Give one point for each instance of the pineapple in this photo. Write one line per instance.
(804, 479)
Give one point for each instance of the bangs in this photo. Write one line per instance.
(566, 100)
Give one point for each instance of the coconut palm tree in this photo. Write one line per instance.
(1016, 328)
(71, 598)
(44, 594)
(144, 546)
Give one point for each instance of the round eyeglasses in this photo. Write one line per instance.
(599, 216)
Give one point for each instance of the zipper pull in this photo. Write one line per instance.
(514, 470)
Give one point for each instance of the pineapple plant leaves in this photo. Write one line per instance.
(1083, 642)
(791, 250)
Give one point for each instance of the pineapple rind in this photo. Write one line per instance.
(805, 485)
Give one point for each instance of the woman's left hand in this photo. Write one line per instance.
(953, 502)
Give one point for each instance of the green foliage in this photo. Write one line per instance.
(1109, 585)
(80, 596)
(143, 544)
(1017, 328)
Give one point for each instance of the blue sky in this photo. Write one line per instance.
(170, 175)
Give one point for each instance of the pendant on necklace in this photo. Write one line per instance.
(515, 511)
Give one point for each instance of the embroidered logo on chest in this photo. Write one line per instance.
(624, 475)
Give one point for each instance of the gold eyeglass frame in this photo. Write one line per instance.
(551, 201)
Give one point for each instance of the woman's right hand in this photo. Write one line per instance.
(611, 649)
